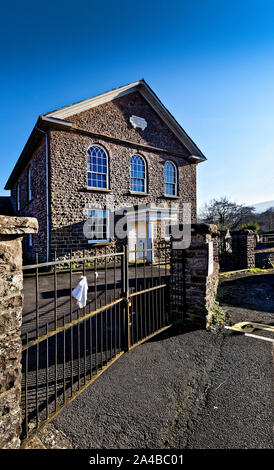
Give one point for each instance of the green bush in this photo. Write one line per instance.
(251, 226)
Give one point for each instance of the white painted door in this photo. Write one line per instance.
(141, 239)
(137, 239)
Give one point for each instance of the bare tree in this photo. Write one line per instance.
(226, 214)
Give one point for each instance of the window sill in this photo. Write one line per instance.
(136, 193)
(101, 190)
(169, 196)
(94, 243)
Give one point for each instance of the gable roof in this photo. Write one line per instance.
(57, 118)
(148, 94)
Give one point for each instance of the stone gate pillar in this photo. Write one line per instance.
(12, 230)
(243, 246)
(194, 276)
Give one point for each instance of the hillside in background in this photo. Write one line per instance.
(263, 206)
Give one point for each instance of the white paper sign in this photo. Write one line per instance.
(138, 122)
(210, 258)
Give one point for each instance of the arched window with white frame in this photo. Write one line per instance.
(170, 178)
(97, 167)
(138, 174)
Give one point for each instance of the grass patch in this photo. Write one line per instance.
(217, 317)
(258, 270)
(243, 271)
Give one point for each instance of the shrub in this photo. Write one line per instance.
(251, 226)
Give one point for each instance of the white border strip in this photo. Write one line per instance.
(251, 336)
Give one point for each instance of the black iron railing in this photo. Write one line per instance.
(266, 239)
(66, 348)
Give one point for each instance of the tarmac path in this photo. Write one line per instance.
(198, 389)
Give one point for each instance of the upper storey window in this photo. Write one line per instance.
(138, 181)
(97, 167)
(170, 174)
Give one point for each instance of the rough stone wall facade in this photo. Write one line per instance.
(11, 300)
(243, 246)
(70, 197)
(36, 207)
(112, 118)
(192, 290)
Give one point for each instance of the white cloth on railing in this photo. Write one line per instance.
(80, 292)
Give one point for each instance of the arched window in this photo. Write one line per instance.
(138, 181)
(97, 167)
(170, 174)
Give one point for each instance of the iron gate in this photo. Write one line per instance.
(66, 348)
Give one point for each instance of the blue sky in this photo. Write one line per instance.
(210, 62)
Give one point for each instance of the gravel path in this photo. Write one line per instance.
(186, 389)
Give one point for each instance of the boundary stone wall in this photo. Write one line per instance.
(264, 259)
(189, 272)
(12, 230)
(243, 246)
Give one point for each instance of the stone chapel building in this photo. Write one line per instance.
(120, 149)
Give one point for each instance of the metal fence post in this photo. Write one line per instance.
(125, 294)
